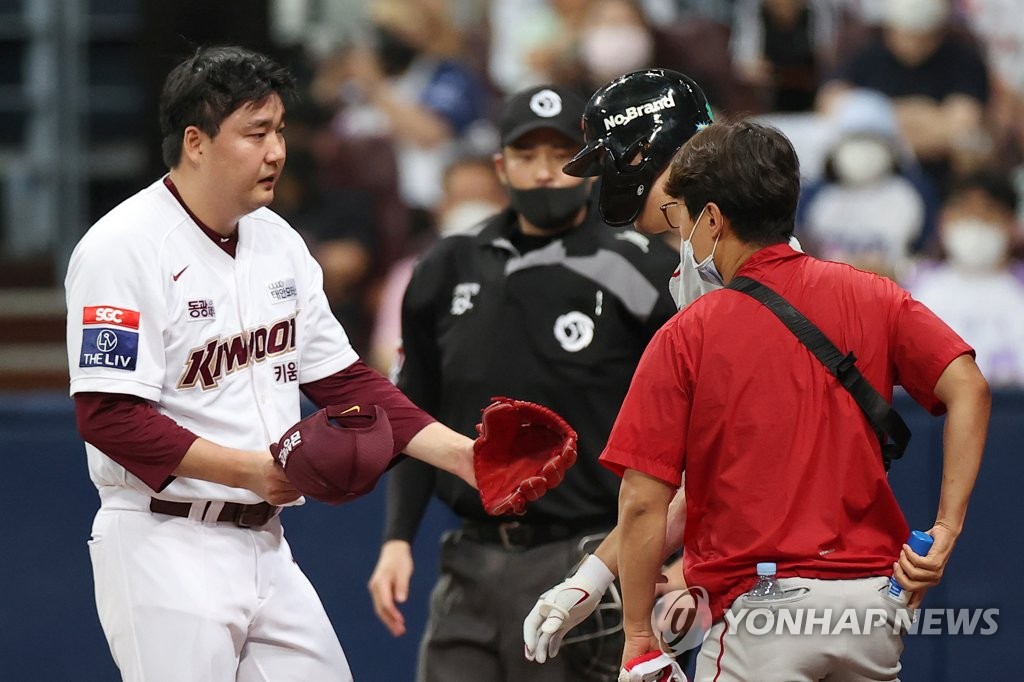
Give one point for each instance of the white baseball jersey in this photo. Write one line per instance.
(219, 344)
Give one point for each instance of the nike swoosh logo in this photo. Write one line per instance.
(354, 408)
(175, 277)
(581, 599)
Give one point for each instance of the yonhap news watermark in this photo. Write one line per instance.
(682, 620)
(900, 621)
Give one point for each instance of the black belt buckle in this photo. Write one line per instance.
(253, 515)
(514, 535)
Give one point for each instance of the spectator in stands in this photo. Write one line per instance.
(472, 192)
(873, 204)
(340, 230)
(937, 79)
(532, 41)
(785, 47)
(979, 290)
(615, 39)
(408, 88)
(999, 24)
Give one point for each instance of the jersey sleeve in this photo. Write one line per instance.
(117, 315)
(649, 434)
(923, 346)
(324, 347)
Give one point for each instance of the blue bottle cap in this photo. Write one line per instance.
(766, 568)
(920, 542)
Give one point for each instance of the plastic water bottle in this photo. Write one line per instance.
(921, 543)
(766, 588)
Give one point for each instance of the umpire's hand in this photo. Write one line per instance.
(390, 584)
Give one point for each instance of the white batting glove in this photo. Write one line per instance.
(563, 607)
(653, 666)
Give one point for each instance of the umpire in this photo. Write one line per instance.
(541, 302)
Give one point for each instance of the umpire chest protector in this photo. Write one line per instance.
(561, 322)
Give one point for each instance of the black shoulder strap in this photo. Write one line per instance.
(882, 417)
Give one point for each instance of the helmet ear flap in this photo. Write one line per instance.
(624, 192)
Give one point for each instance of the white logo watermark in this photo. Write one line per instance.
(904, 621)
(681, 620)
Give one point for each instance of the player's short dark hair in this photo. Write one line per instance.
(207, 87)
(750, 170)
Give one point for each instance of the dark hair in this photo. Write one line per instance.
(749, 169)
(995, 184)
(207, 87)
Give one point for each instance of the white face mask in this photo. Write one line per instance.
(686, 286)
(610, 51)
(916, 16)
(859, 161)
(975, 245)
(707, 269)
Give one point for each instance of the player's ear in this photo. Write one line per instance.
(191, 144)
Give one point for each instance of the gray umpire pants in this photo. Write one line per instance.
(477, 608)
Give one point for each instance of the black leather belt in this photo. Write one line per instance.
(241, 515)
(514, 535)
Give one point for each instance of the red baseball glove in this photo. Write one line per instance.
(523, 450)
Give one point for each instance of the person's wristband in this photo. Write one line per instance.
(595, 573)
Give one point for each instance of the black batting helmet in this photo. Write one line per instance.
(651, 113)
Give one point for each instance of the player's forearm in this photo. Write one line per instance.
(608, 550)
(968, 401)
(445, 449)
(643, 505)
(208, 461)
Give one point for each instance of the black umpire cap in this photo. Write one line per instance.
(543, 106)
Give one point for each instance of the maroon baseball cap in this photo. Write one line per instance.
(542, 106)
(338, 453)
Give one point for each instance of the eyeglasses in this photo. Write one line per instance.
(665, 208)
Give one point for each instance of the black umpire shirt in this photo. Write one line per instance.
(561, 321)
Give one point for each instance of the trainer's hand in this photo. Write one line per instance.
(916, 573)
(563, 607)
(637, 644)
(269, 482)
(390, 583)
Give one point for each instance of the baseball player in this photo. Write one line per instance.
(633, 127)
(195, 318)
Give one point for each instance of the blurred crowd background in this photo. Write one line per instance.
(908, 116)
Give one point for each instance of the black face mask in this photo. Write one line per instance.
(551, 209)
(394, 53)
